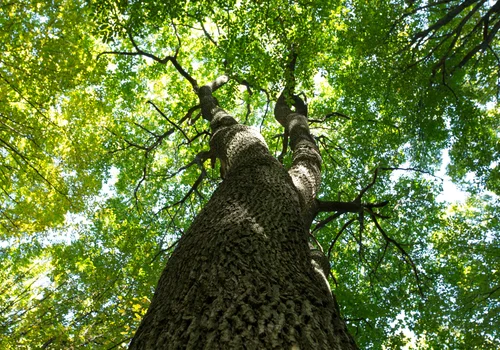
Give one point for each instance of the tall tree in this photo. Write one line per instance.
(242, 275)
(108, 165)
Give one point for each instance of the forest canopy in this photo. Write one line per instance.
(103, 156)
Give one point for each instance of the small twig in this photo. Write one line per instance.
(363, 191)
(168, 120)
(412, 169)
(163, 251)
(345, 226)
(406, 256)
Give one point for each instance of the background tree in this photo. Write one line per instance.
(96, 192)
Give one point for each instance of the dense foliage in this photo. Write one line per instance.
(100, 149)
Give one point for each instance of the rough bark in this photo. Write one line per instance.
(242, 276)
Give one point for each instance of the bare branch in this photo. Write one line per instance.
(166, 59)
(345, 226)
(363, 191)
(324, 222)
(412, 169)
(406, 256)
(168, 120)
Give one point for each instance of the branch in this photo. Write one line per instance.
(168, 120)
(164, 250)
(481, 46)
(199, 159)
(142, 179)
(346, 225)
(363, 191)
(456, 32)
(412, 169)
(324, 222)
(218, 82)
(377, 265)
(193, 189)
(32, 104)
(28, 163)
(450, 15)
(345, 207)
(284, 148)
(406, 256)
(251, 86)
(414, 11)
(166, 59)
(209, 104)
(329, 115)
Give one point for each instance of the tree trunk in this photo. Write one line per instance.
(242, 276)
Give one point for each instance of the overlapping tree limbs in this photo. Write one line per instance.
(360, 208)
(156, 139)
(250, 86)
(169, 58)
(463, 29)
(305, 170)
(207, 105)
(22, 159)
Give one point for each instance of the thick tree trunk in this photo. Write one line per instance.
(242, 276)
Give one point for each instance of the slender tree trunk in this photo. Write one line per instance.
(242, 276)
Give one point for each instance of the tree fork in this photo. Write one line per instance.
(242, 275)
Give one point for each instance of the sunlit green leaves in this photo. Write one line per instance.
(91, 171)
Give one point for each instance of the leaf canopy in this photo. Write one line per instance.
(100, 147)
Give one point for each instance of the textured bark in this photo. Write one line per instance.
(242, 276)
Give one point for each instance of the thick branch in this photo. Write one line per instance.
(306, 162)
(450, 15)
(481, 46)
(166, 59)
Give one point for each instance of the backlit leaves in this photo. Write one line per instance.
(96, 174)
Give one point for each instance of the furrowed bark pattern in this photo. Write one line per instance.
(241, 277)
(306, 163)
